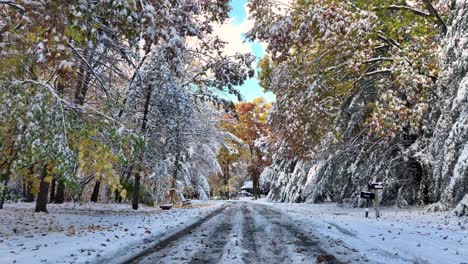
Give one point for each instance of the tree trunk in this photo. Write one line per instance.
(125, 178)
(5, 188)
(52, 191)
(29, 194)
(226, 181)
(24, 189)
(226, 192)
(116, 192)
(255, 171)
(41, 203)
(118, 198)
(95, 195)
(5, 184)
(81, 89)
(136, 190)
(255, 186)
(82, 85)
(175, 173)
(60, 193)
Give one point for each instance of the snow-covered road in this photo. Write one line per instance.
(230, 232)
(243, 232)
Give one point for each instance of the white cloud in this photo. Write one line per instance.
(232, 34)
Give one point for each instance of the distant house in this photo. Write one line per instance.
(247, 187)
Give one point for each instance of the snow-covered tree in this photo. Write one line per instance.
(92, 58)
(34, 135)
(445, 149)
(354, 85)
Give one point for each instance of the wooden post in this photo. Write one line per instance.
(172, 193)
(367, 208)
(377, 203)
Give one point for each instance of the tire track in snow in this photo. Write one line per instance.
(217, 240)
(238, 233)
(248, 234)
(289, 242)
(168, 242)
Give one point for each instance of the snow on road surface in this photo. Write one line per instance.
(73, 233)
(244, 232)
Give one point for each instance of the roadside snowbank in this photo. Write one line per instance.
(399, 236)
(73, 233)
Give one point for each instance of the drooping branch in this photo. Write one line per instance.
(67, 103)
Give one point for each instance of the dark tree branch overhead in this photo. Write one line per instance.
(389, 40)
(13, 4)
(430, 8)
(403, 8)
(434, 13)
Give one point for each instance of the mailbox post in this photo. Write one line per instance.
(376, 186)
(368, 196)
(377, 203)
(367, 208)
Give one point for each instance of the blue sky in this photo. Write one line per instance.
(250, 89)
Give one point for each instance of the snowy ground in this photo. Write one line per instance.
(73, 233)
(399, 236)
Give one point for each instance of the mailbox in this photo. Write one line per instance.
(367, 195)
(375, 186)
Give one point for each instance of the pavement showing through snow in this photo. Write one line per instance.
(242, 232)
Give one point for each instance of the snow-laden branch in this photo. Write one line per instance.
(379, 59)
(435, 14)
(383, 71)
(388, 40)
(403, 8)
(13, 4)
(432, 12)
(65, 102)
